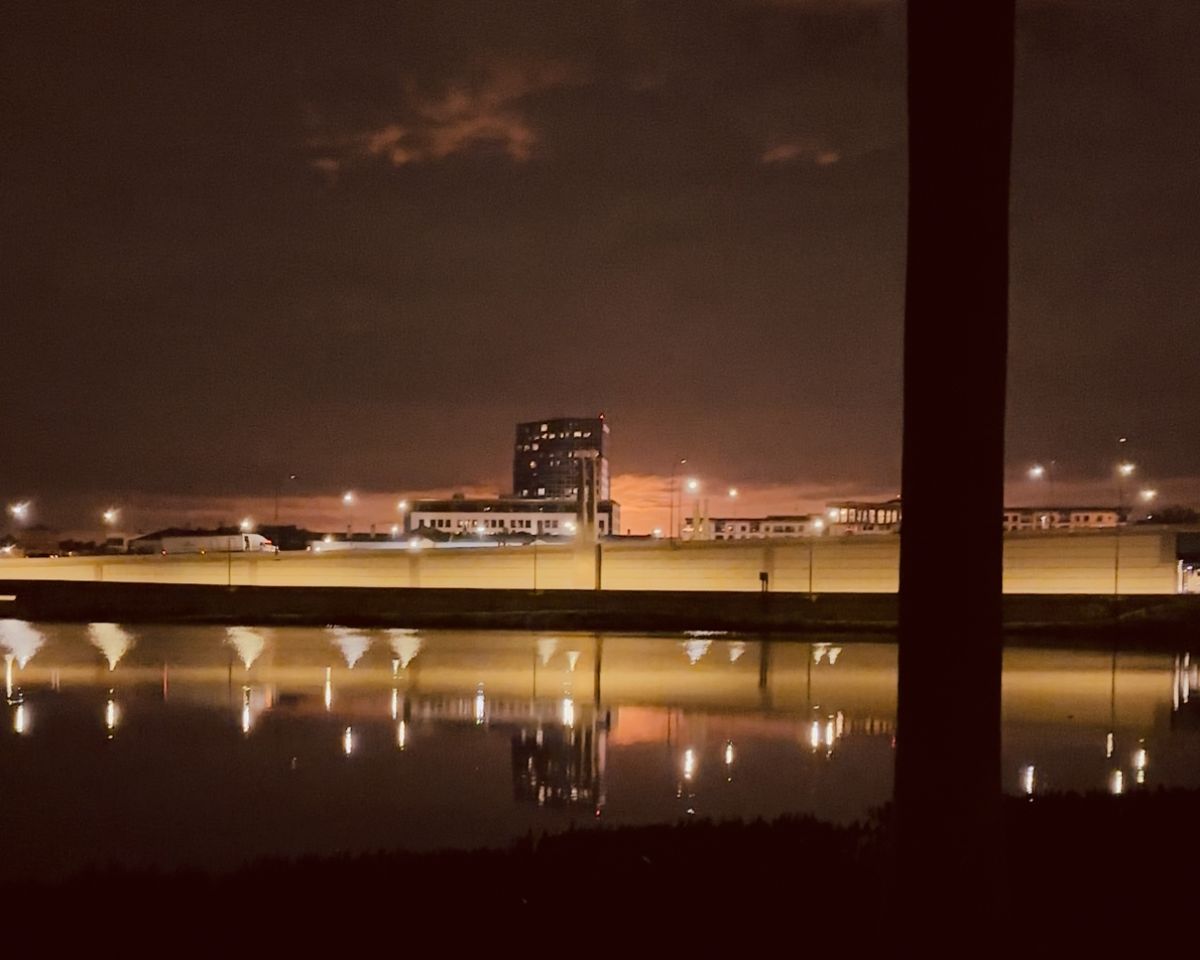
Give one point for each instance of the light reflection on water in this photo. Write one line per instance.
(195, 745)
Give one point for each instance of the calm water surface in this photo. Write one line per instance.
(211, 746)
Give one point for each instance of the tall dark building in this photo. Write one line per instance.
(545, 462)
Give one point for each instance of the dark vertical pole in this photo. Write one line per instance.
(596, 672)
(948, 778)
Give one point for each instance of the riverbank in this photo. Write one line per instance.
(1144, 619)
(1093, 868)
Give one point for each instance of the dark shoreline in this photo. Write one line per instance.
(1144, 621)
(1074, 865)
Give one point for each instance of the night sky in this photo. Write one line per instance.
(359, 241)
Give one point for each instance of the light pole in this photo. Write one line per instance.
(693, 486)
(818, 525)
(671, 496)
(348, 502)
(1045, 471)
(110, 517)
(278, 489)
(1125, 470)
(402, 507)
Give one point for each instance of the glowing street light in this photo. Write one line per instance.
(1125, 468)
(693, 485)
(1037, 472)
(348, 498)
(246, 525)
(110, 516)
(733, 493)
(1148, 495)
(19, 511)
(402, 506)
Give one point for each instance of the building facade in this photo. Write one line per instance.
(853, 517)
(753, 528)
(545, 457)
(863, 516)
(518, 518)
(1062, 518)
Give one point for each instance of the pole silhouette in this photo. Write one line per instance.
(948, 777)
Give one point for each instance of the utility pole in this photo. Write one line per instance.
(960, 93)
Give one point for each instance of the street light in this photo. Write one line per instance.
(110, 516)
(402, 506)
(19, 511)
(246, 525)
(348, 501)
(1036, 472)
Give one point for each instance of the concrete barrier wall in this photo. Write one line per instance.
(1078, 563)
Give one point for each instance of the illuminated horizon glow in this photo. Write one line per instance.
(644, 500)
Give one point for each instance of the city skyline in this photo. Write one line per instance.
(357, 242)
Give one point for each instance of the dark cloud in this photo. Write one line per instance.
(362, 239)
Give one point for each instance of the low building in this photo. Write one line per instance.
(515, 518)
(752, 528)
(1063, 518)
(863, 516)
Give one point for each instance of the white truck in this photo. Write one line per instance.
(220, 543)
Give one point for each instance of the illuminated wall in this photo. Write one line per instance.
(1080, 563)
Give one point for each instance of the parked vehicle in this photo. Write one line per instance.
(220, 543)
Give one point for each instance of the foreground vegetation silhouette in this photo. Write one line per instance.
(1081, 867)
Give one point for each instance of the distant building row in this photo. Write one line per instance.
(515, 517)
(861, 517)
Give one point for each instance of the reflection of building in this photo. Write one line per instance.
(545, 461)
(559, 765)
(512, 517)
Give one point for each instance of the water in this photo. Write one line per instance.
(209, 746)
